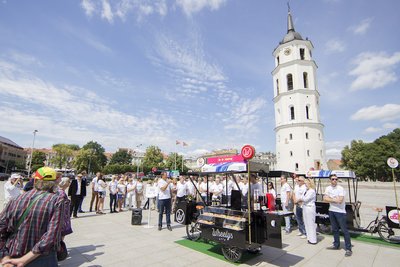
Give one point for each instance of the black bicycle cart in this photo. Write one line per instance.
(230, 222)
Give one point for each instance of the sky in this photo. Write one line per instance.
(131, 72)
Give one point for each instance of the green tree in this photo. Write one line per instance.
(63, 154)
(117, 168)
(368, 160)
(90, 158)
(153, 158)
(174, 159)
(38, 157)
(122, 156)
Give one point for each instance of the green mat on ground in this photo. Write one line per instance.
(213, 249)
(373, 239)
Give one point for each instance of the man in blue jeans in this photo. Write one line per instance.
(164, 200)
(334, 194)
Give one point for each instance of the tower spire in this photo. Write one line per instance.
(290, 23)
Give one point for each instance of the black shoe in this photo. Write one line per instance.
(333, 247)
(90, 210)
(75, 216)
(111, 212)
(159, 228)
(115, 211)
(348, 253)
(169, 227)
(81, 211)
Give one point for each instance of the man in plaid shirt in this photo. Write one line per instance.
(36, 240)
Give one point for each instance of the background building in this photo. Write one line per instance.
(12, 156)
(298, 128)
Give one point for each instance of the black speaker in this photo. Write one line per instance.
(136, 217)
(236, 200)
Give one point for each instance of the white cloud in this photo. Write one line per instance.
(106, 12)
(372, 130)
(362, 27)
(387, 112)
(70, 114)
(88, 6)
(107, 9)
(24, 59)
(193, 6)
(374, 70)
(390, 125)
(334, 45)
(334, 149)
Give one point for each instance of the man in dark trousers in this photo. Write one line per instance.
(77, 190)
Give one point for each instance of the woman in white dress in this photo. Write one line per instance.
(139, 193)
(309, 212)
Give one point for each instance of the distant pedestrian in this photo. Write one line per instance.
(31, 224)
(77, 190)
(139, 192)
(286, 192)
(101, 190)
(12, 188)
(95, 194)
(309, 211)
(299, 190)
(84, 179)
(334, 194)
(121, 193)
(112, 186)
(164, 198)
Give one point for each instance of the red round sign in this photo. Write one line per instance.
(248, 152)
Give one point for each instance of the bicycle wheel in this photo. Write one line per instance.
(232, 254)
(193, 231)
(385, 232)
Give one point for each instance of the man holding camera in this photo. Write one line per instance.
(12, 188)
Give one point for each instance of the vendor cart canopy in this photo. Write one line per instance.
(326, 174)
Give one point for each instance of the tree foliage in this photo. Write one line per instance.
(153, 158)
(174, 162)
(368, 160)
(122, 156)
(118, 168)
(63, 154)
(90, 158)
(38, 158)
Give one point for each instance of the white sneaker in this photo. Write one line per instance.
(303, 237)
(299, 234)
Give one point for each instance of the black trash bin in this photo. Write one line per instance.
(136, 217)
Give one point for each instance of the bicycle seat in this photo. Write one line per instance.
(378, 209)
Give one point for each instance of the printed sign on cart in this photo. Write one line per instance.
(223, 235)
(180, 216)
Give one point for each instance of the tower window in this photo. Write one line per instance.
(296, 166)
(291, 153)
(307, 112)
(292, 113)
(291, 136)
(305, 79)
(277, 87)
(306, 135)
(289, 78)
(319, 136)
(302, 53)
(277, 60)
(308, 153)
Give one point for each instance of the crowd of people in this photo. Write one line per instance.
(61, 198)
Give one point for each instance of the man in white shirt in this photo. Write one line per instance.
(299, 190)
(334, 194)
(182, 189)
(164, 200)
(12, 188)
(285, 199)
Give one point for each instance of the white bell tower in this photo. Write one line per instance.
(298, 128)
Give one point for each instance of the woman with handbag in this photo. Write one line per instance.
(41, 209)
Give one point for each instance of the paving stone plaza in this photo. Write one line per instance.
(111, 240)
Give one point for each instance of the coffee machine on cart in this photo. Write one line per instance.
(236, 221)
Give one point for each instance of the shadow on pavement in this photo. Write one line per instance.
(80, 255)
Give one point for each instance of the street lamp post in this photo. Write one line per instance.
(137, 162)
(33, 146)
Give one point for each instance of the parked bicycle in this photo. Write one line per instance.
(380, 225)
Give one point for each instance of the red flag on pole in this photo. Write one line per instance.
(184, 144)
(177, 142)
